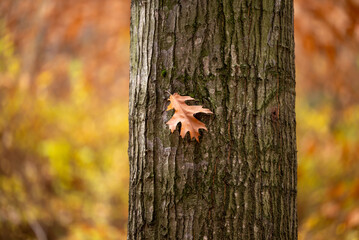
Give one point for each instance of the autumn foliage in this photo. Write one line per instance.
(184, 114)
(64, 130)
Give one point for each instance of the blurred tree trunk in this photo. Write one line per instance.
(237, 59)
(32, 54)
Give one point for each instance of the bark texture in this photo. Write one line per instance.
(237, 59)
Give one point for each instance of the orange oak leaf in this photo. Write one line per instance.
(185, 114)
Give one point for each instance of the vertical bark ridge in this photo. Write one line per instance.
(236, 58)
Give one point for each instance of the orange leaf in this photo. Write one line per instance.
(185, 115)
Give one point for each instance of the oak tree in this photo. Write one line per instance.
(235, 58)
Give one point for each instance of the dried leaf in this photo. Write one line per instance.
(185, 114)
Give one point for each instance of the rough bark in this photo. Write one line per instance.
(237, 59)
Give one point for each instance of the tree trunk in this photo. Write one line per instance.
(237, 59)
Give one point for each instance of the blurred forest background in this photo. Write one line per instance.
(64, 69)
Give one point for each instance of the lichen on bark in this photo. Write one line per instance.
(237, 59)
